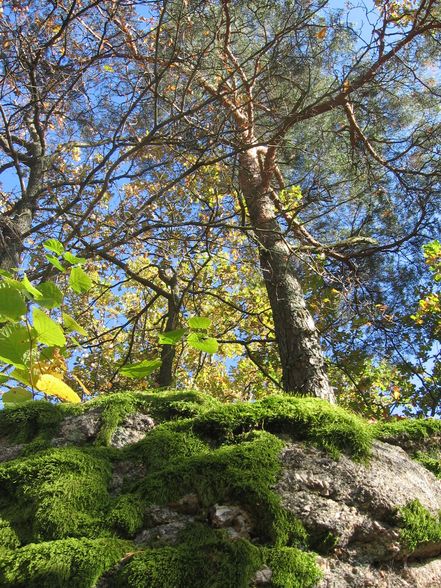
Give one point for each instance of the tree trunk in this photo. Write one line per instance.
(13, 229)
(301, 356)
(168, 352)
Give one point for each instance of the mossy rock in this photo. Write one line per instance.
(64, 524)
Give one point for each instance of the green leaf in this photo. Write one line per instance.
(79, 281)
(31, 289)
(4, 378)
(203, 343)
(48, 331)
(12, 304)
(54, 245)
(73, 259)
(14, 343)
(70, 324)
(54, 261)
(51, 295)
(141, 369)
(22, 375)
(199, 322)
(171, 337)
(17, 396)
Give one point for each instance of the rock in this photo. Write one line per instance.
(356, 505)
(263, 577)
(235, 520)
(78, 430)
(8, 452)
(133, 429)
(164, 526)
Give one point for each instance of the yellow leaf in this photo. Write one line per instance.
(54, 387)
(322, 33)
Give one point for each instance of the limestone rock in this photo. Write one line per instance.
(355, 505)
(235, 520)
(78, 429)
(132, 429)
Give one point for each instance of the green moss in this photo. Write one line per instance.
(227, 454)
(292, 568)
(24, 423)
(430, 461)
(205, 558)
(162, 406)
(167, 444)
(418, 525)
(407, 429)
(243, 473)
(305, 419)
(8, 537)
(55, 494)
(73, 563)
(127, 514)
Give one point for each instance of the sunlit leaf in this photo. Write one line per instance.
(14, 343)
(141, 369)
(30, 288)
(203, 343)
(54, 245)
(199, 322)
(53, 386)
(171, 337)
(73, 259)
(51, 295)
(71, 324)
(55, 262)
(17, 396)
(79, 281)
(48, 331)
(12, 304)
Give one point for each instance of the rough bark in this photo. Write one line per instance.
(301, 356)
(168, 352)
(13, 228)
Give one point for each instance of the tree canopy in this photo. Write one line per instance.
(240, 196)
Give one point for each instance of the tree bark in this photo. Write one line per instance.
(13, 228)
(301, 356)
(168, 352)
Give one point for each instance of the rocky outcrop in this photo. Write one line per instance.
(170, 490)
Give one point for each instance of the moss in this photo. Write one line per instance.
(76, 563)
(227, 454)
(31, 420)
(407, 429)
(243, 473)
(55, 494)
(205, 558)
(305, 419)
(168, 443)
(292, 568)
(430, 461)
(127, 514)
(8, 537)
(418, 526)
(162, 406)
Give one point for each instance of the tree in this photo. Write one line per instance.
(156, 95)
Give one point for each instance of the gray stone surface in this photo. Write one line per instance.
(8, 452)
(163, 526)
(357, 504)
(234, 519)
(78, 430)
(133, 429)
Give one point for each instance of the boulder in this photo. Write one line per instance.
(175, 489)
